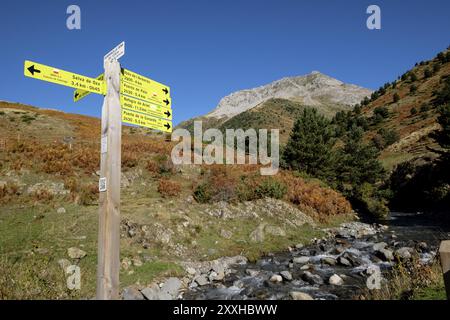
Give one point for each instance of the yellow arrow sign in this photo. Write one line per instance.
(143, 120)
(144, 93)
(159, 89)
(65, 78)
(80, 94)
(137, 86)
(145, 107)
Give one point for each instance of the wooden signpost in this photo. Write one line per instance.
(131, 98)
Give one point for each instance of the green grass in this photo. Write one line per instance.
(435, 292)
(150, 271)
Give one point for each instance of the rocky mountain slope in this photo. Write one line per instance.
(411, 111)
(316, 89)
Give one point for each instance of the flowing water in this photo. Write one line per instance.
(348, 252)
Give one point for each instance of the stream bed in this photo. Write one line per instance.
(342, 265)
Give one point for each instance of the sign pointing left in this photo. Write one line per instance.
(65, 78)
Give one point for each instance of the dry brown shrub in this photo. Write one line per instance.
(315, 199)
(8, 191)
(168, 188)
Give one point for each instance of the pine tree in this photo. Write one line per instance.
(358, 162)
(444, 121)
(310, 146)
(396, 97)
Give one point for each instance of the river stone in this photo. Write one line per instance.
(286, 275)
(201, 280)
(297, 295)
(329, 261)
(151, 293)
(301, 260)
(312, 278)
(252, 272)
(276, 278)
(422, 246)
(343, 261)
(404, 253)
(305, 252)
(131, 293)
(305, 267)
(191, 271)
(171, 286)
(336, 280)
(385, 254)
(76, 253)
(378, 246)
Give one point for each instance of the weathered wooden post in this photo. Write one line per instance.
(109, 186)
(444, 252)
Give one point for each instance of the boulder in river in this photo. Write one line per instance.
(276, 278)
(131, 293)
(286, 275)
(329, 261)
(301, 260)
(404, 253)
(312, 278)
(298, 295)
(336, 280)
(385, 254)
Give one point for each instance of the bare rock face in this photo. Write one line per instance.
(314, 89)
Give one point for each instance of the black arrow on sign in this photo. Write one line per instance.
(166, 101)
(167, 113)
(167, 126)
(165, 90)
(32, 70)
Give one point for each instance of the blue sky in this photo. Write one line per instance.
(205, 50)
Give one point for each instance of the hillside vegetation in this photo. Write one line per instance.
(170, 214)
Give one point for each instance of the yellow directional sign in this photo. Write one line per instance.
(80, 94)
(138, 86)
(144, 93)
(157, 88)
(65, 78)
(145, 107)
(143, 120)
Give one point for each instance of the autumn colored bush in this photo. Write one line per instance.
(160, 165)
(168, 188)
(42, 195)
(8, 190)
(88, 194)
(129, 159)
(314, 199)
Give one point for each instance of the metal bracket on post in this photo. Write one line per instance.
(109, 186)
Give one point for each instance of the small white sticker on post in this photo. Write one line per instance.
(102, 184)
(104, 144)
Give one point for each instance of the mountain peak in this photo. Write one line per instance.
(314, 89)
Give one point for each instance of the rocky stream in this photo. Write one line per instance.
(342, 265)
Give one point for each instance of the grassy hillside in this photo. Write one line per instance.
(412, 114)
(275, 114)
(271, 114)
(170, 214)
